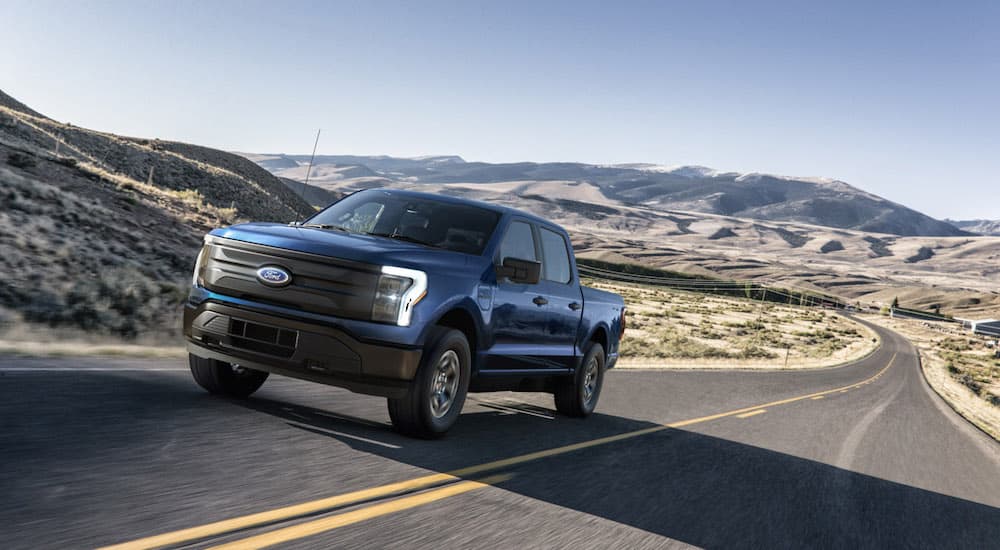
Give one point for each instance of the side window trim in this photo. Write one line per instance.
(540, 251)
(536, 236)
(534, 239)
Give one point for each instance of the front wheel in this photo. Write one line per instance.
(225, 378)
(438, 392)
(577, 395)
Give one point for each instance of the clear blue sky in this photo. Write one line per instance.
(901, 99)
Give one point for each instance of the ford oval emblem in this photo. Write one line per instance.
(272, 275)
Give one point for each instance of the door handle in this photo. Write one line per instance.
(540, 301)
(575, 306)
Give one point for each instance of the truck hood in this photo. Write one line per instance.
(350, 246)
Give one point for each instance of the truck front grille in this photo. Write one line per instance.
(319, 284)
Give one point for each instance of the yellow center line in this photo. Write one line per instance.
(751, 413)
(819, 397)
(288, 512)
(278, 514)
(316, 527)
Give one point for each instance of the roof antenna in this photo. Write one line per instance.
(305, 184)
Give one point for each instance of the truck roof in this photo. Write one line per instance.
(460, 200)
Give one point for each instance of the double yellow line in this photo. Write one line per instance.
(340, 520)
(417, 484)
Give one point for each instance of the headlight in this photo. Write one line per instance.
(196, 278)
(399, 289)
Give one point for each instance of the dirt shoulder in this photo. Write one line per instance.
(33, 340)
(76, 349)
(963, 369)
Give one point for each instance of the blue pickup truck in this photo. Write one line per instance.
(416, 297)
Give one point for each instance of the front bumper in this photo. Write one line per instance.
(298, 349)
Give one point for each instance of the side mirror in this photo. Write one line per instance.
(524, 272)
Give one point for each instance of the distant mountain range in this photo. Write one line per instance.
(816, 201)
(979, 227)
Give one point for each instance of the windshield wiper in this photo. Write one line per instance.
(406, 238)
(326, 226)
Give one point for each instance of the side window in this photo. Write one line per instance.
(518, 243)
(555, 258)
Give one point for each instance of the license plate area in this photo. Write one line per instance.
(277, 341)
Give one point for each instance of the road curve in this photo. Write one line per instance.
(100, 452)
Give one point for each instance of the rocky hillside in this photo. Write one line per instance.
(815, 201)
(15, 105)
(99, 231)
(979, 227)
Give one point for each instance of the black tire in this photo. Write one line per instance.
(221, 378)
(577, 395)
(416, 415)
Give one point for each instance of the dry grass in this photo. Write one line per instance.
(674, 329)
(960, 367)
(191, 200)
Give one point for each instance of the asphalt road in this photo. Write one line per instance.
(98, 452)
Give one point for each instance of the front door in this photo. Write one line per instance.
(518, 323)
(534, 325)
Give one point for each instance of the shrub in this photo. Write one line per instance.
(709, 334)
(970, 383)
(7, 318)
(752, 351)
(21, 160)
(121, 301)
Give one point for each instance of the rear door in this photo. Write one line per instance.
(561, 293)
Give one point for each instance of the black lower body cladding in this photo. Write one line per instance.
(298, 349)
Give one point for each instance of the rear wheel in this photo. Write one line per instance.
(577, 395)
(438, 392)
(223, 378)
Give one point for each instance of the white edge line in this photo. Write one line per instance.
(515, 410)
(342, 434)
(342, 418)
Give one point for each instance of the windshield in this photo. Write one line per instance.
(439, 224)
